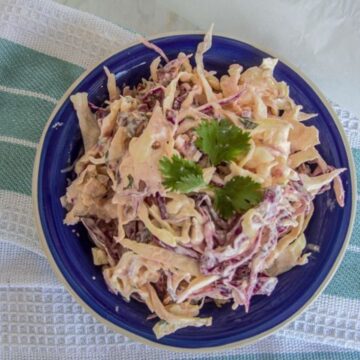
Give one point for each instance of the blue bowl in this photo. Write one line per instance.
(70, 255)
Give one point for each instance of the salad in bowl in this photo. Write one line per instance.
(197, 188)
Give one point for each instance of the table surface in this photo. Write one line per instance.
(148, 17)
(316, 36)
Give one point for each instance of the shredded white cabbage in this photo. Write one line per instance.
(113, 90)
(89, 128)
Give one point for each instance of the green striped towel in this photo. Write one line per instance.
(44, 47)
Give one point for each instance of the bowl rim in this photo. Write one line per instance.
(118, 329)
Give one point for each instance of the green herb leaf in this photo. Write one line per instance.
(221, 140)
(238, 195)
(181, 175)
(248, 123)
(130, 182)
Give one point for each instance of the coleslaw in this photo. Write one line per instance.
(196, 188)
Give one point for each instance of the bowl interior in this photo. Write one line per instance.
(70, 247)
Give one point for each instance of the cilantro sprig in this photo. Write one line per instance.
(238, 195)
(221, 140)
(181, 175)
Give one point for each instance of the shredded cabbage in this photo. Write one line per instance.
(172, 250)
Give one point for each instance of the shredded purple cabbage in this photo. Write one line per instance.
(161, 203)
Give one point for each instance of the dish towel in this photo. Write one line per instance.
(44, 47)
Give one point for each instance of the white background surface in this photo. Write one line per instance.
(321, 37)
